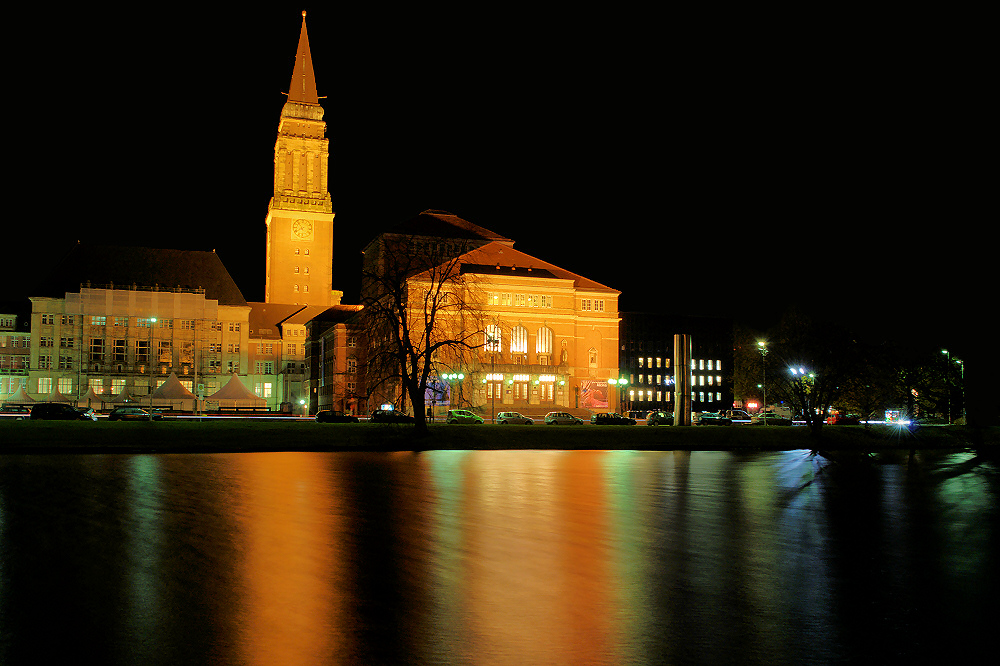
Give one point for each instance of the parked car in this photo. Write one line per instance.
(333, 416)
(660, 417)
(513, 417)
(843, 419)
(557, 418)
(18, 412)
(132, 414)
(769, 418)
(611, 418)
(637, 415)
(712, 418)
(389, 416)
(63, 412)
(738, 416)
(463, 416)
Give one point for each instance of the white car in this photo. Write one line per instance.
(513, 417)
(556, 418)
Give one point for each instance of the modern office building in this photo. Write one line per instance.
(646, 361)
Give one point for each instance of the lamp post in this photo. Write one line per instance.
(806, 380)
(149, 363)
(762, 346)
(961, 366)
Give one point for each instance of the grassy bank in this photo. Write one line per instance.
(237, 435)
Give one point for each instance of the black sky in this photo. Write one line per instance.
(703, 162)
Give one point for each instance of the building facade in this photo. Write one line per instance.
(536, 337)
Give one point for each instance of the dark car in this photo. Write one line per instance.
(713, 418)
(333, 416)
(611, 418)
(62, 412)
(660, 417)
(132, 414)
(389, 416)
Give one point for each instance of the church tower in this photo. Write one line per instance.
(300, 216)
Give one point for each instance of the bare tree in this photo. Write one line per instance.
(422, 317)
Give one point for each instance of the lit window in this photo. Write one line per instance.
(519, 340)
(493, 338)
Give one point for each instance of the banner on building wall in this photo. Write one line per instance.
(594, 394)
(437, 393)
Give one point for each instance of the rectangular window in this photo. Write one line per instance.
(45, 385)
(44, 362)
(97, 384)
(48, 319)
(97, 349)
(121, 321)
(67, 320)
(262, 389)
(120, 350)
(117, 385)
(169, 323)
(506, 299)
(520, 300)
(142, 351)
(98, 321)
(65, 362)
(46, 341)
(67, 343)
(585, 304)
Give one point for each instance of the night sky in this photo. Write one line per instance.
(707, 163)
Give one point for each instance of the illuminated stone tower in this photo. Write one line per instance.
(300, 215)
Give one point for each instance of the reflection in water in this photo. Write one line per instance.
(494, 557)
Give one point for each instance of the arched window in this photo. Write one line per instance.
(519, 340)
(543, 345)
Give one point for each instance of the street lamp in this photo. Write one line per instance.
(763, 366)
(152, 378)
(961, 366)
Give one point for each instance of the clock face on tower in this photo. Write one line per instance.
(302, 230)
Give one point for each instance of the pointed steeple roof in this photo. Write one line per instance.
(303, 86)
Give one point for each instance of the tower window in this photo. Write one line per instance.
(296, 250)
(296, 269)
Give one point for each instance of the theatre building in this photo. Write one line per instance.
(545, 338)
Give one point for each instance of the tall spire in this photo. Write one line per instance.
(303, 86)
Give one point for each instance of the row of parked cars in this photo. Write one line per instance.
(57, 411)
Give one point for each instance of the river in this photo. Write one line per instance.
(497, 557)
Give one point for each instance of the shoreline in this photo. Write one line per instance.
(53, 437)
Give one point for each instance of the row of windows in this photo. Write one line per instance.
(696, 364)
(508, 299)
(494, 340)
(647, 396)
(141, 322)
(696, 380)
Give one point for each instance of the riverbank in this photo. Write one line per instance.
(245, 435)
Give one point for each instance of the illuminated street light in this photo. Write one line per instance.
(763, 365)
